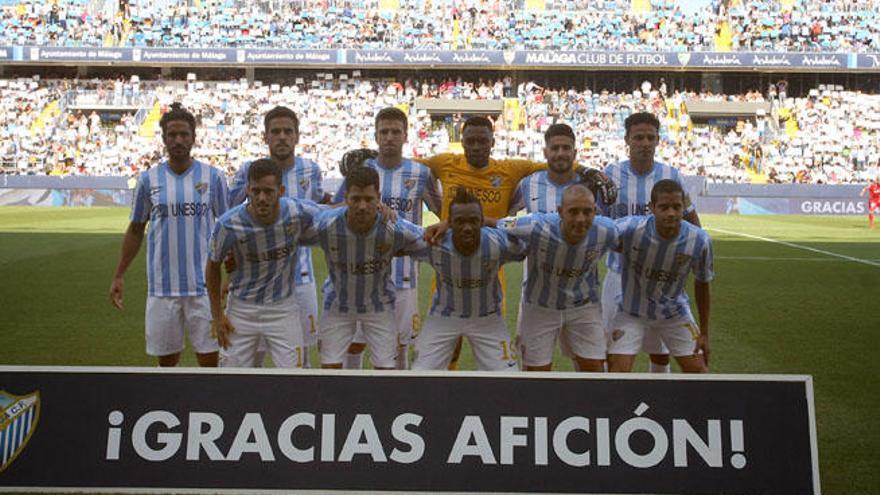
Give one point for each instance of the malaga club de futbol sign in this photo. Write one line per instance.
(111, 430)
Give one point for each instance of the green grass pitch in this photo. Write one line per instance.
(807, 304)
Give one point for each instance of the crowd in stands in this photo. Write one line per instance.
(830, 136)
(53, 23)
(765, 25)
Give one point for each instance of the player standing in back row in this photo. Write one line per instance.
(181, 198)
(635, 178)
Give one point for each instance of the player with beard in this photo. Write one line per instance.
(301, 179)
(264, 236)
(405, 186)
(180, 198)
(359, 246)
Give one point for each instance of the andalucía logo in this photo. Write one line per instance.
(19, 416)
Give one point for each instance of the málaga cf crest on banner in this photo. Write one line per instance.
(18, 420)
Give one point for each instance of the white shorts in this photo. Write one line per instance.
(278, 324)
(628, 331)
(337, 330)
(610, 290)
(488, 337)
(166, 318)
(579, 330)
(407, 320)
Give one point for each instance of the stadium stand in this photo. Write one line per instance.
(656, 25)
(829, 136)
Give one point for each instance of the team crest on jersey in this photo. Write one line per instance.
(154, 193)
(290, 228)
(383, 248)
(490, 265)
(507, 223)
(201, 187)
(681, 258)
(19, 416)
(496, 180)
(304, 183)
(409, 183)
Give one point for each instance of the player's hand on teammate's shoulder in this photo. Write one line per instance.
(388, 213)
(220, 329)
(601, 185)
(116, 290)
(434, 233)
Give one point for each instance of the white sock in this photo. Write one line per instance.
(353, 361)
(660, 368)
(307, 356)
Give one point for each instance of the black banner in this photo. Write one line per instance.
(157, 430)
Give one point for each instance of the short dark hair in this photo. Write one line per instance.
(177, 113)
(559, 130)
(641, 118)
(477, 121)
(263, 167)
(666, 186)
(463, 197)
(362, 177)
(392, 113)
(279, 112)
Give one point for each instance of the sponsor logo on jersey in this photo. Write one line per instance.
(681, 258)
(19, 416)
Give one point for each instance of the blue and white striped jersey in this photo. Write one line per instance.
(468, 286)
(181, 210)
(404, 189)
(265, 255)
(538, 194)
(634, 194)
(359, 265)
(301, 181)
(655, 270)
(560, 275)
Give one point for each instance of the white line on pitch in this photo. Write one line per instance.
(774, 258)
(798, 246)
